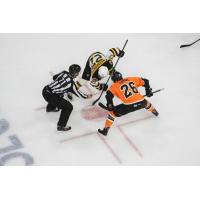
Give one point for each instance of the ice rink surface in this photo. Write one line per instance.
(28, 135)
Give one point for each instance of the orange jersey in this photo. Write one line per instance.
(127, 89)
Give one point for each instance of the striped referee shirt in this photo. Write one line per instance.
(64, 83)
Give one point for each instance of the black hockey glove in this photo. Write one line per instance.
(149, 92)
(103, 86)
(121, 53)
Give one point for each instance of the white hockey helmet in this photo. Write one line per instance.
(103, 72)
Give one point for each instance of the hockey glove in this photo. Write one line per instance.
(89, 96)
(149, 92)
(103, 86)
(121, 53)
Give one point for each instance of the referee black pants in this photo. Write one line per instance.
(54, 100)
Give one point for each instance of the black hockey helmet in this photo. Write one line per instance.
(74, 70)
(116, 76)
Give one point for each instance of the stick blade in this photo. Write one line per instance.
(184, 45)
(94, 102)
(102, 106)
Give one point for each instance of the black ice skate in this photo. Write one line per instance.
(104, 131)
(52, 110)
(155, 112)
(61, 128)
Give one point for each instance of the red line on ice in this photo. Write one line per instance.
(111, 149)
(130, 142)
(106, 143)
(102, 139)
(78, 136)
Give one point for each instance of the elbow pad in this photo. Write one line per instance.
(109, 97)
(146, 83)
(113, 52)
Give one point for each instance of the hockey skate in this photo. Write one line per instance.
(52, 110)
(155, 112)
(103, 131)
(61, 128)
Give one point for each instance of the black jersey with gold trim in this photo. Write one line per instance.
(98, 59)
(94, 62)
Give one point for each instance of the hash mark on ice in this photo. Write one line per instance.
(132, 144)
(102, 139)
(78, 136)
(110, 149)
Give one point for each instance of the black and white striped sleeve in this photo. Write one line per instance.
(79, 93)
(57, 75)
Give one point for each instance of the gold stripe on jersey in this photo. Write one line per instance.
(93, 55)
(95, 84)
(114, 51)
(98, 86)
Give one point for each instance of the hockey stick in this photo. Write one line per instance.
(94, 102)
(105, 107)
(156, 91)
(187, 45)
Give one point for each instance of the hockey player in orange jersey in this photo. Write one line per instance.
(126, 89)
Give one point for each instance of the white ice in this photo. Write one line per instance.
(135, 139)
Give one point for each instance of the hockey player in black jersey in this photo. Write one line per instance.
(54, 93)
(99, 66)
